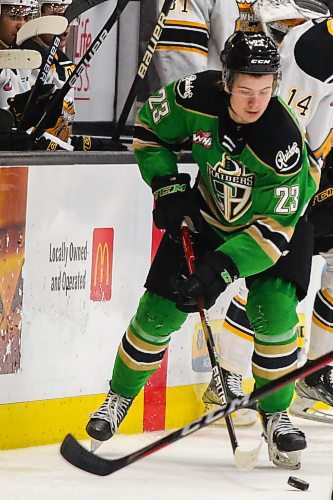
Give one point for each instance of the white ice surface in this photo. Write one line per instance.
(199, 466)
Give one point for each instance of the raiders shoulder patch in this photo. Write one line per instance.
(200, 92)
(276, 139)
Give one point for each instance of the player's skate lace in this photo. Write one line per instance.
(233, 383)
(105, 421)
(285, 441)
(284, 426)
(329, 376)
(328, 385)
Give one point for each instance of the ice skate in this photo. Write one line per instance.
(309, 392)
(233, 382)
(284, 440)
(104, 422)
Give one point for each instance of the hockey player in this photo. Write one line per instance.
(192, 29)
(307, 77)
(60, 70)
(13, 14)
(191, 41)
(16, 83)
(255, 181)
(195, 32)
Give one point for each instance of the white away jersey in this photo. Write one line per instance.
(13, 82)
(195, 33)
(193, 29)
(307, 80)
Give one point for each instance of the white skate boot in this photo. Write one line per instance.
(312, 390)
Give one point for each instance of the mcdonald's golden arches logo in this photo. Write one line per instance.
(101, 269)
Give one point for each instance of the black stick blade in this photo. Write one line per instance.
(83, 459)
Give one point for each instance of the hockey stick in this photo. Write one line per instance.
(53, 25)
(244, 460)
(74, 10)
(82, 64)
(80, 457)
(142, 70)
(20, 59)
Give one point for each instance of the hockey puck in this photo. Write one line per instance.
(300, 484)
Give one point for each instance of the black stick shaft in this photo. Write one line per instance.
(213, 356)
(142, 70)
(41, 77)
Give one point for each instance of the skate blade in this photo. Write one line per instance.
(313, 414)
(285, 460)
(95, 444)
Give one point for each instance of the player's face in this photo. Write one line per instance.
(249, 97)
(12, 19)
(55, 10)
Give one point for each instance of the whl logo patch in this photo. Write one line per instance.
(203, 138)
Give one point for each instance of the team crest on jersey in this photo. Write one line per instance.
(288, 160)
(202, 138)
(185, 86)
(231, 187)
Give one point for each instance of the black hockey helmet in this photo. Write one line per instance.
(250, 53)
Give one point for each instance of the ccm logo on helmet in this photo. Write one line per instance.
(260, 61)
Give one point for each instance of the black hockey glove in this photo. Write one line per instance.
(16, 140)
(210, 279)
(88, 143)
(19, 101)
(175, 200)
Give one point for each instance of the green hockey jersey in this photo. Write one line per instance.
(255, 180)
